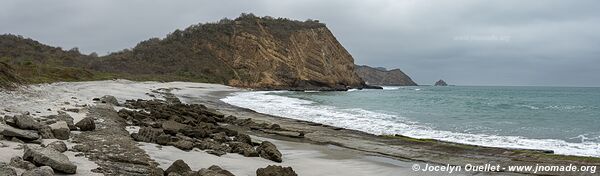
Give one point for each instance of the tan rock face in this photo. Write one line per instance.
(309, 55)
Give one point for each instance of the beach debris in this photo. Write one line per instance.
(86, 124)
(49, 157)
(40, 171)
(269, 151)
(273, 170)
(61, 130)
(179, 167)
(59, 146)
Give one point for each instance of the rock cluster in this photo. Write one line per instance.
(180, 168)
(195, 126)
(26, 129)
(273, 170)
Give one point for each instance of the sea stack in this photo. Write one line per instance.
(440, 83)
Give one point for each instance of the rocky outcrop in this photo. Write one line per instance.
(250, 51)
(382, 77)
(440, 83)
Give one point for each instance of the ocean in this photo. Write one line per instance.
(563, 119)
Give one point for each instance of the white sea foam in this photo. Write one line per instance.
(380, 123)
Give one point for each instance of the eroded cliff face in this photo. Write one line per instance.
(252, 52)
(309, 58)
(378, 76)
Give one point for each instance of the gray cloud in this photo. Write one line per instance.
(550, 42)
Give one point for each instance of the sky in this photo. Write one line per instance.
(464, 42)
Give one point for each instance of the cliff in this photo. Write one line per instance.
(250, 51)
(383, 77)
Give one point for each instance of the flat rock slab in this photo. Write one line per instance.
(49, 157)
(111, 147)
(19, 133)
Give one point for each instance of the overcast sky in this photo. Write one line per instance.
(465, 42)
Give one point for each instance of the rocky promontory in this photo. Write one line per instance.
(383, 77)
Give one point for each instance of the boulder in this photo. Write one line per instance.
(46, 132)
(273, 170)
(86, 124)
(61, 130)
(19, 133)
(269, 151)
(172, 127)
(40, 171)
(6, 170)
(59, 146)
(26, 122)
(214, 171)
(243, 148)
(178, 167)
(183, 144)
(18, 162)
(63, 116)
(49, 157)
(109, 99)
(147, 134)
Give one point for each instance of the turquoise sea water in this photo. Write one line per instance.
(563, 119)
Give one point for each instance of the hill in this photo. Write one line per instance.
(249, 51)
(384, 77)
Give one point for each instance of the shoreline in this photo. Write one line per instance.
(376, 154)
(406, 148)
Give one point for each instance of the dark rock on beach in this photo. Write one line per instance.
(273, 170)
(86, 124)
(178, 167)
(269, 151)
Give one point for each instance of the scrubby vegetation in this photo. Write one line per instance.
(194, 54)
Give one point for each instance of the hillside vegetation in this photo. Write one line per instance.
(249, 51)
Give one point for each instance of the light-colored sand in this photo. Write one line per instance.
(305, 159)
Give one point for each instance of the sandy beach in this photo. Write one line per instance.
(323, 149)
